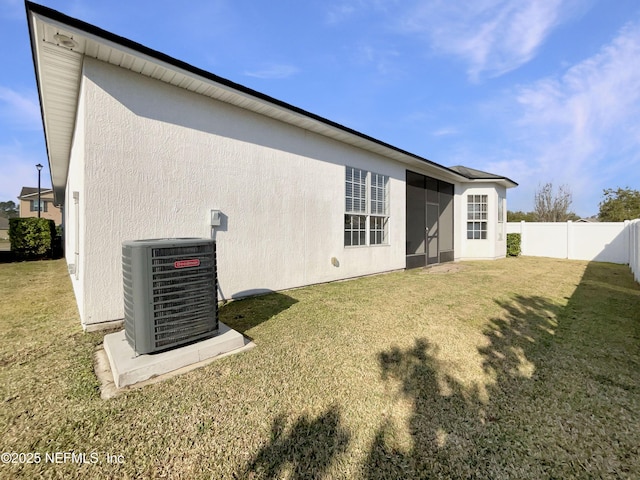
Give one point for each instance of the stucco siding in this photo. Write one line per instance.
(494, 246)
(74, 211)
(158, 159)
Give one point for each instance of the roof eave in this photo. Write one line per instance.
(34, 57)
(504, 181)
(58, 85)
(92, 41)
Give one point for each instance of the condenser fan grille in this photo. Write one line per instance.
(181, 299)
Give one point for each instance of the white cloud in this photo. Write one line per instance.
(581, 128)
(491, 36)
(593, 103)
(445, 131)
(20, 109)
(339, 13)
(382, 58)
(343, 10)
(273, 71)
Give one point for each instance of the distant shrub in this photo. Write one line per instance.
(31, 237)
(513, 244)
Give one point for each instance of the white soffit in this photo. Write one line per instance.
(59, 71)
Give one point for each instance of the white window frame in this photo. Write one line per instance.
(366, 217)
(501, 219)
(477, 216)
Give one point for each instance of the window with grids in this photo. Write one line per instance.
(378, 209)
(355, 230)
(377, 230)
(477, 217)
(356, 194)
(366, 208)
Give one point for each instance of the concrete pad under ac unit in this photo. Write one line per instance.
(129, 368)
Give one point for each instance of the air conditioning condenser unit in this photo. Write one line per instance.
(170, 294)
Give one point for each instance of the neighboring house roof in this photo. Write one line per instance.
(29, 191)
(59, 43)
(4, 223)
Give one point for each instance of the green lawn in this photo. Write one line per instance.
(522, 368)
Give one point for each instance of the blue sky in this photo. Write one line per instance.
(539, 91)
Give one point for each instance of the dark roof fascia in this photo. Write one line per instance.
(474, 174)
(495, 179)
(125, 42)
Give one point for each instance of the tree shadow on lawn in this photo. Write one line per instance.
(307, 449)
(558, 401)
(246, 313)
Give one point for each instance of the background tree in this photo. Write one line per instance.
(8, 209)
(619, 205)
(519, 216)
(551, 206)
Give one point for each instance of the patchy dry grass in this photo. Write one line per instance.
(519, 368)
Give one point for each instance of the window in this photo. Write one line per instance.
(476, 217)
(34, 205)
(378, 231)
(379, 210)
(378, 194)
(501, 201)
(355, 229)
(356, 191)
(366, 208)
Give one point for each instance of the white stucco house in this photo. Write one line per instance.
(141, 145)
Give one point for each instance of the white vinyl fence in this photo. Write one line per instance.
(617, 242)
(634, 248)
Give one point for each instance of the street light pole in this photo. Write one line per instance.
(39, 167)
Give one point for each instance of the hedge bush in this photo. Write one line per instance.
(513, 244)
(32, 237)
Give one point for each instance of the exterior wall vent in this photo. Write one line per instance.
(170, 294)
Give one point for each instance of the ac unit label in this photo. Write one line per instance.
(194, 262)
